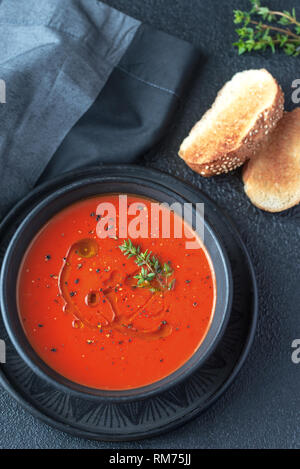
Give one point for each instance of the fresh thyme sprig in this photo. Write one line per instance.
(151, 270)
(262, 28)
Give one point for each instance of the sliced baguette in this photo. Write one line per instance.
(246, 109)
(272, 176)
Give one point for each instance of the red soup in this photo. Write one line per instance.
(110, 311)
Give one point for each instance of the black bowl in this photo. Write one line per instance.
(118, 182)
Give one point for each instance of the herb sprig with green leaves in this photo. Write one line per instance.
(152, 275)
(262, 28)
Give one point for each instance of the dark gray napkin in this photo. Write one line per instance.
(55, 58)
(85, 84)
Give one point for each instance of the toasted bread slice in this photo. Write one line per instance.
(246, 109)
(272, 176)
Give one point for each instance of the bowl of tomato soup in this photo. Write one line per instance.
(107, 290)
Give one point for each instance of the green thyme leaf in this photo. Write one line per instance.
(261, 28)
(151, 269)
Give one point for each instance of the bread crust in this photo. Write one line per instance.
(272, 178)
(227, 161)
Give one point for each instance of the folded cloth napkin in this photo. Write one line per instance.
(85, 84)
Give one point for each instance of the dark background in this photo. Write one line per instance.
(262, 407)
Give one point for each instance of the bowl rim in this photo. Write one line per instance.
(67, 385)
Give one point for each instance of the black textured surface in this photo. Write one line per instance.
(261, 409)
